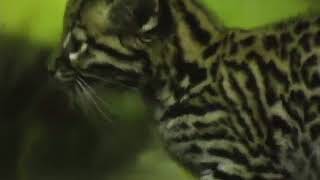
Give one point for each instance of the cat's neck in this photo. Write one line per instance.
(184, 62)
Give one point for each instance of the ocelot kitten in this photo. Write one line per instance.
(232, 104)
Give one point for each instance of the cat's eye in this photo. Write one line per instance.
(132, 42)
(146, 39)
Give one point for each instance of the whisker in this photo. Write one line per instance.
(96, 105)
(93, 92)
(79, 99)
(125, 86)
(82, 98)
(92, 100)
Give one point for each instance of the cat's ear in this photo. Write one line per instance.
(138, 16)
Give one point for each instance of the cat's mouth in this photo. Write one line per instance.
(61, 71)
(71, 79)
(65, 77)
(101, 75)
(109, 80)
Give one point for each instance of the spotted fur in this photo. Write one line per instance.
(232, 104)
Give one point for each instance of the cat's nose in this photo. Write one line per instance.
(64, 75)
(61, 70)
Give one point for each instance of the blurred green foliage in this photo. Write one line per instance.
(36, 19)
(42, 138)
(42, 20)
(252, 13)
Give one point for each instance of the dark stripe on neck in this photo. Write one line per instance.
(178, 110)
(166, 25)
(198, 33)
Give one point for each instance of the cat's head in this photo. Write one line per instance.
(111, 41)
